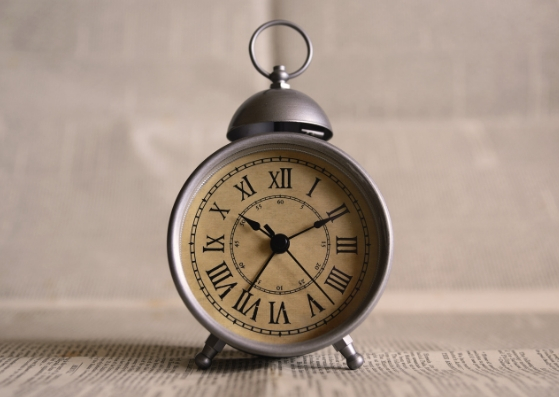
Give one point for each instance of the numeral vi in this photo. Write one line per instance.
(281, 311)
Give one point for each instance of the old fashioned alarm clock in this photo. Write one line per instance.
(279, 243)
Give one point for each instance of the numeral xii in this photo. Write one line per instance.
(281, 183)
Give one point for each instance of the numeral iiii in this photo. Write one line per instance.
(338, 280)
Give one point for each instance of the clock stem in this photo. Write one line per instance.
(213, 346)
(354, 360)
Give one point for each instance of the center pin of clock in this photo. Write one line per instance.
(279, 243)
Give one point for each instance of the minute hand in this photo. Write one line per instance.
(316, 225)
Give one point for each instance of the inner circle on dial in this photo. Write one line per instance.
(280, 217)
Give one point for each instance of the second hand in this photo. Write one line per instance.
(309, 276)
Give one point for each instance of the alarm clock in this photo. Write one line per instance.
(279, 243)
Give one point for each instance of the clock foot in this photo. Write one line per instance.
(213, 346)
(354, 360)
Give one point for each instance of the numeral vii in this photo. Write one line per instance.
(338, 280)
(214, 244)
(219, 274)
(242, 303)
(285, 182)
(346, 245)
(250, 190)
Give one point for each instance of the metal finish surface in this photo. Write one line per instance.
(304, 144)
(276, 110)
(279, 74)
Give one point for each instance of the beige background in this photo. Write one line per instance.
(107, 106)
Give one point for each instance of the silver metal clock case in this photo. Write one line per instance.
(281, 110)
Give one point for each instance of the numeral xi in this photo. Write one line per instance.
(241, 188)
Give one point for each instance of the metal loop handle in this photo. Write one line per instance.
(286, 76)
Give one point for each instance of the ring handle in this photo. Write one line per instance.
(280, 75)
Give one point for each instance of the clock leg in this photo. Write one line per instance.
(213, 346)
(345, 346)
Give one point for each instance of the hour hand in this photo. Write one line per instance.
(253, 224)
(316, 225)
(256, 226)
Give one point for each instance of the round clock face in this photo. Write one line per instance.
(279, 245)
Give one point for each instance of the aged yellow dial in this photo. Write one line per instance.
(279, 246)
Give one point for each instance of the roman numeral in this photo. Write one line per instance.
(314, 303)
(285, 179)
(346, 245)
(281, 311)
(338, 280)
(313, 187)
(217, 209)
(219, 274)
(218, 242)
(242, 302)
(242, 188)
(336, 213)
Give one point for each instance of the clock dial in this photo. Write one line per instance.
(279, 246)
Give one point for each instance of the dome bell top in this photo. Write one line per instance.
(279, 109)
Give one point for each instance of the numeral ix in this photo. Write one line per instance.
(214, 244)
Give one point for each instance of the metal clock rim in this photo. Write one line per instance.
(238, 149)
(282, 22)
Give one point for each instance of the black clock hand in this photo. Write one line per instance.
(316, 225)
(256, 226)
(309, 276)
(260, 272)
